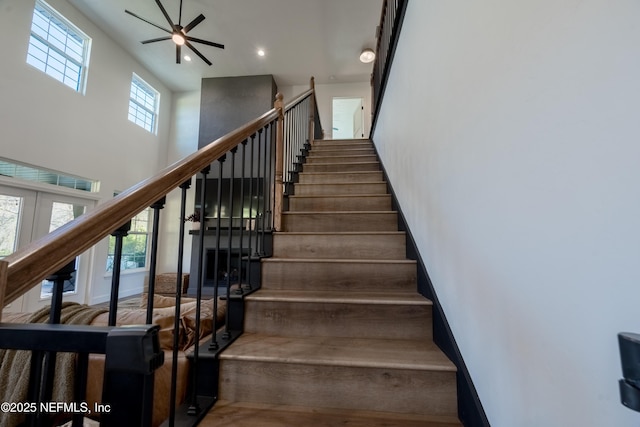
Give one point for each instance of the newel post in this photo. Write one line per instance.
(3, 283)
(279, 170)
(312, 110)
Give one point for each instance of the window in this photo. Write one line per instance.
(134, 245)
(33, 173)
(58, 48)
(143, 104)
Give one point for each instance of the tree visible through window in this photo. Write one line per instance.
(134, 245)
(57, 47)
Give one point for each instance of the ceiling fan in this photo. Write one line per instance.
(179, 33)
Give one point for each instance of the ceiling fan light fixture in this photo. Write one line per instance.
(178, 39)
(367, 56)
(179, 34)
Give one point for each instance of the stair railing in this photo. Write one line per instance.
(388, 33)
(252, 166)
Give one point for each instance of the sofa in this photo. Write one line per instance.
(164, 317)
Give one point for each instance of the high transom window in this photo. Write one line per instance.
(58, 48)
(144, 102)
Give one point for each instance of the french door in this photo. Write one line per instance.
(26, 215)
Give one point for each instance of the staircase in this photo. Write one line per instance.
(338, 334)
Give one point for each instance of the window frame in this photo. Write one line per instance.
(130, 235)
(70, 30)
(139, 84)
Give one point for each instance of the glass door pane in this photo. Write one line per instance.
(62, 213)
(17, 210)
(10, 208)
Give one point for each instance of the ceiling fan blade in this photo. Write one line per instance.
(166, 15)
(159, 39)
(193, 23)
(193, 39)
(197, 52)
(178, 55)
(148, 22)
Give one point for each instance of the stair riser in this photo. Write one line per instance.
(340, 189)
(339, 144)
(376, 389)
(340, 159)
(338, 276)
(340, 167)
(341, 152)
(340, 246)
(337, 178)
(325, 204)
(330, 221)
(302, 319)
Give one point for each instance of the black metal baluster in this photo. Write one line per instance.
(119, 234)
(251, 220)
(258, 187)
(227, 334)
(267, 178)
(157, 206)
(55, 312)
(263, 191)
(216, 269)
(287, 143)
(242, 286)
(298, 133)
(273, 168)
(194, 407)
(176, 321)
(294, 145)
(80, 386)
(35, 386)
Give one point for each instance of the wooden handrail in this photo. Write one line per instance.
(298, 99)
(31, 264)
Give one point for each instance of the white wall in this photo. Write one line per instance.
(510, 132)
(184, 136)
(325, 94)
(44, 123)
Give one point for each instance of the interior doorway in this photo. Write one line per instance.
(348, 118)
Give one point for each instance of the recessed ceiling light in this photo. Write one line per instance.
(187, 58)
(261, 52)
(367, 55)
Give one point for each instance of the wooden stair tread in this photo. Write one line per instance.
(337, 196)
(345, 164)
(355, 213)
(320, 184)
(350, 156)
(341, 233)
(338, 335)
(344, 261)
(246, 414)
(338, 297)
(335, 351)
(340, 173)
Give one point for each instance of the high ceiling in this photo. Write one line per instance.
(301, 38)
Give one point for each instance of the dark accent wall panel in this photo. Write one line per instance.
(227, 103)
